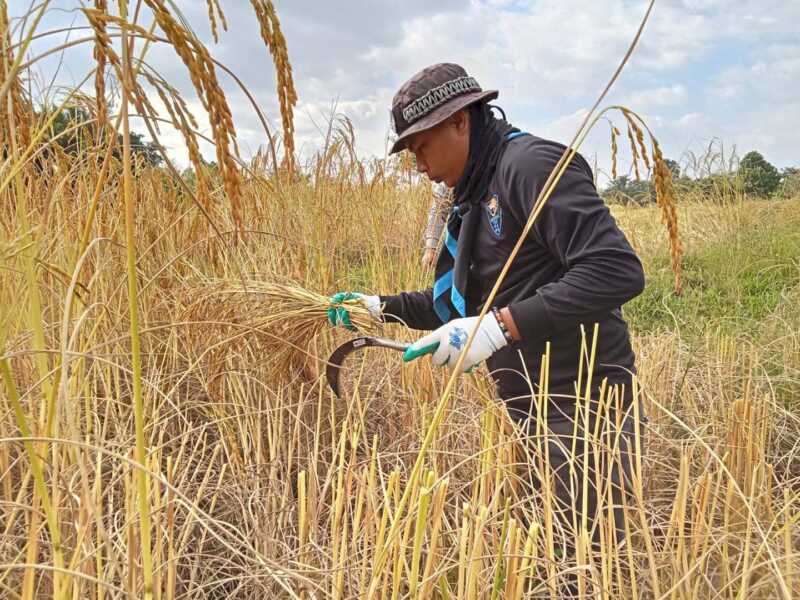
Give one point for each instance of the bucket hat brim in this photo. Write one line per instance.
(439, 114)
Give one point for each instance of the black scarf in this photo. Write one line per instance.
(488, 137)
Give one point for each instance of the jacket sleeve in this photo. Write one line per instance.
(414, 309)
(600, 270)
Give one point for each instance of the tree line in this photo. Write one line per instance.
(753, 176)
(74, 130)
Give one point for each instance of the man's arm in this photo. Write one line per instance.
(441, 199)
(601, 269)
(415, 309)
(437, 217)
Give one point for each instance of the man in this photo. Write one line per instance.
(575, 269)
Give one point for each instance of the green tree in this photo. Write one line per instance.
(759, 177)
(82, 135)
(629, 191)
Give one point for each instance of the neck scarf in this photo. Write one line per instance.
(488, 137)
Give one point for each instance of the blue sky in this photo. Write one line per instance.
(705, 69)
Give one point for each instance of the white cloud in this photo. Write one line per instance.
(773, 73)
(693, 119)
(666, 95)
(703, 68)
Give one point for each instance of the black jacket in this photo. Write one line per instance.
(576, 268)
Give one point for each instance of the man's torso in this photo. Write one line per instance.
(503, 215)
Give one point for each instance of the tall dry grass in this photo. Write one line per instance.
(218, 464)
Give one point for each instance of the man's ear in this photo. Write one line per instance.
(461, 122)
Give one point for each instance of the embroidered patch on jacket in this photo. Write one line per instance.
(495, 214)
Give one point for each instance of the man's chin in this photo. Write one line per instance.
(444, 180)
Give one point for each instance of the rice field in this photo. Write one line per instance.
(166, 430)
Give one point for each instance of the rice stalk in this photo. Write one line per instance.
(18, 107)
(143, 482)
(13, 135)
(41, 492)
(419, 532)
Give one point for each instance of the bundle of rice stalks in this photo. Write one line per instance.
(236, 323)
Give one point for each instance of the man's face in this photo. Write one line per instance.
(441, 152)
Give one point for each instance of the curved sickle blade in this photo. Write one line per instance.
(338, 356)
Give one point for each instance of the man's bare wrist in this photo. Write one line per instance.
(508, 321)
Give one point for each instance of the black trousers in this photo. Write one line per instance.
(582, 461)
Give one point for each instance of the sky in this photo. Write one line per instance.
(705, 71)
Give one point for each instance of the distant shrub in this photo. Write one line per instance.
(759, 177)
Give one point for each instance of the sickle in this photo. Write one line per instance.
(338, 356)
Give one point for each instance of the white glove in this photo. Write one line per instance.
(372, 304)
(447, 342)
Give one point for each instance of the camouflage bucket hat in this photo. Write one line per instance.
(431, 96)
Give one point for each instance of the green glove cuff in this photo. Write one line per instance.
(414, 353)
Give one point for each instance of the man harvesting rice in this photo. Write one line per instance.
(576, 268)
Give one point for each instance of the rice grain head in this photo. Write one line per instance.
(664, 188)
(17, 103)
(665, 197)
(634, 153)
(614, 134)
(204, 79)
(273, 37)
(99, 54)
(213, 6)
(639, 137)
(184, 122)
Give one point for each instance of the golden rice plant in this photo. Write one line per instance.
(258, 481)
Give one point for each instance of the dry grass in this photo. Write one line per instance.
(260, 483)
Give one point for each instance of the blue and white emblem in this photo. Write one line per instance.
(458, 337)
(495, 214)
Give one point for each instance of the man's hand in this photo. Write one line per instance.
(339, 313)
(449, 340)
(429, 258)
